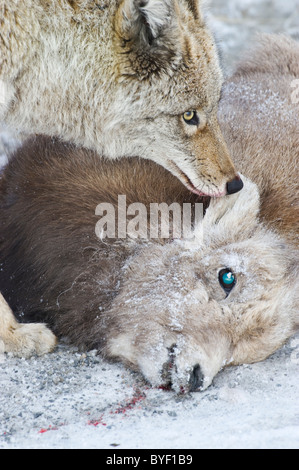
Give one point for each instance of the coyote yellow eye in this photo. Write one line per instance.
(191, 117)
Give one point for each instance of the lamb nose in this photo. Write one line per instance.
(234, 186)
(196, 379)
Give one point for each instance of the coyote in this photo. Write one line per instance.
(178, 311)
(122, 77)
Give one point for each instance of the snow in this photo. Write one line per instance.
(74, 400)
(70, 399)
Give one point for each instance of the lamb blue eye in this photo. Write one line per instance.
(227, 280)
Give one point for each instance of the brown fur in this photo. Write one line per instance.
(64, 252)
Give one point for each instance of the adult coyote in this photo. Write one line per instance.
(122, 77)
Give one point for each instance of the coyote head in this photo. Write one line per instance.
(229, 296)
(125, 78)
(169, 88)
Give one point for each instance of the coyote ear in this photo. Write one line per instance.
(143, 20)
(231, 217)
(196, 8)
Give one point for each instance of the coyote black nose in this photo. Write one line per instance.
(196, 379)
(234, 186)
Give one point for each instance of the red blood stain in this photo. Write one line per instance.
(129, 405)
(96, 422)
(50, 428)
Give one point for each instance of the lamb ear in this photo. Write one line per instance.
(232, 217)
(143, 21)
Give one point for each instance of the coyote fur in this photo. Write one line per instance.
(121, 77)
(177, 311)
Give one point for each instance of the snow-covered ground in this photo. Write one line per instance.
(236, 23)
(74, 400)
